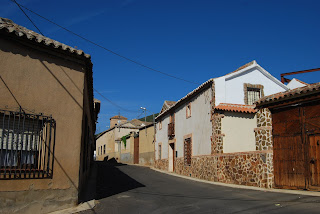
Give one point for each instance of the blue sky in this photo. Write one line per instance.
(195, 40)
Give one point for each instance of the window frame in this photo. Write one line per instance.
(27, 145)
(187, 160)
(159, 151)
(188, 110)
(252, 87)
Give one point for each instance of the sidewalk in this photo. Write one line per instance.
(295, 192)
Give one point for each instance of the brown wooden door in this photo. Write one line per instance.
(312, 129)
(296, 136)
(136, 150)
(289, 157)
(314, 159)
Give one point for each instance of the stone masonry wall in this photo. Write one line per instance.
(264, 142)
(217, 136)
(162, 164)
(248, 168)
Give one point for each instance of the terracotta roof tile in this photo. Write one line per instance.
(10, 27)
(242, 67)
(297, 92)
(236, 108)
(170, 103)
(117, 117)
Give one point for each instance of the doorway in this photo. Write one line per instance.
(171, 157)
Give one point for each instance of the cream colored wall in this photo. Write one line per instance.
(146, 138)
(239, 132)
(42, 84)
(109, 139)
(146, 146)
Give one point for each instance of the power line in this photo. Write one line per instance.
(93, 88)
(127, 110)
(28, 17)
(117, 54)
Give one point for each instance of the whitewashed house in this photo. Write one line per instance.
(215, 133)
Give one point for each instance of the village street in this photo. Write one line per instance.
(136, 189)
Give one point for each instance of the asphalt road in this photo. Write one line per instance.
(135, 189)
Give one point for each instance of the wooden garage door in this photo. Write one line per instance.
(296, 135)
(289, 157)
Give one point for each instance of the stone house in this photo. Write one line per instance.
(215, 133)
(295, 137)
(47, 126)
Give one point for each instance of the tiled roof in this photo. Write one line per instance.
(242, 67)
(170, 103)
(8, 26)
(119, 117)
(236, 108)
(187, 96)
(297, 92)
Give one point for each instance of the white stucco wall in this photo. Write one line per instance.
(239, 132)
(198, 125)
(162, 137)
(229, 89)
(295, 84)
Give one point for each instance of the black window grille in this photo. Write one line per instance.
(27, 144)
(253, 95)
(159, 152)
(187, 151)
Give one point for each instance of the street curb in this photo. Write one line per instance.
(294, 192)
(81, 207)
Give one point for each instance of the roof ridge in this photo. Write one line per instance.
(243, 66)
(20, 31)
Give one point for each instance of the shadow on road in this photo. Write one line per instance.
(111, 180)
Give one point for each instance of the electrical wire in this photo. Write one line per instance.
(104, 48)
(93, 88)
(120, 107)
(28, 17)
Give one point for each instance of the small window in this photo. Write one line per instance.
(253, 95)
(104, 149)
(187, 151)
(160, 125)
(188, 110)
(159, 152)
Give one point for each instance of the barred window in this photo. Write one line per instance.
(187, 151)
(253, 95)
(159, 152)
(26, 145)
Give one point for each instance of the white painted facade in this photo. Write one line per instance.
(294, 83)
(238, 128)
(198, 125)
(229, 88)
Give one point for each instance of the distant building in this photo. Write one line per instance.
(109, 143)
(47, 121)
